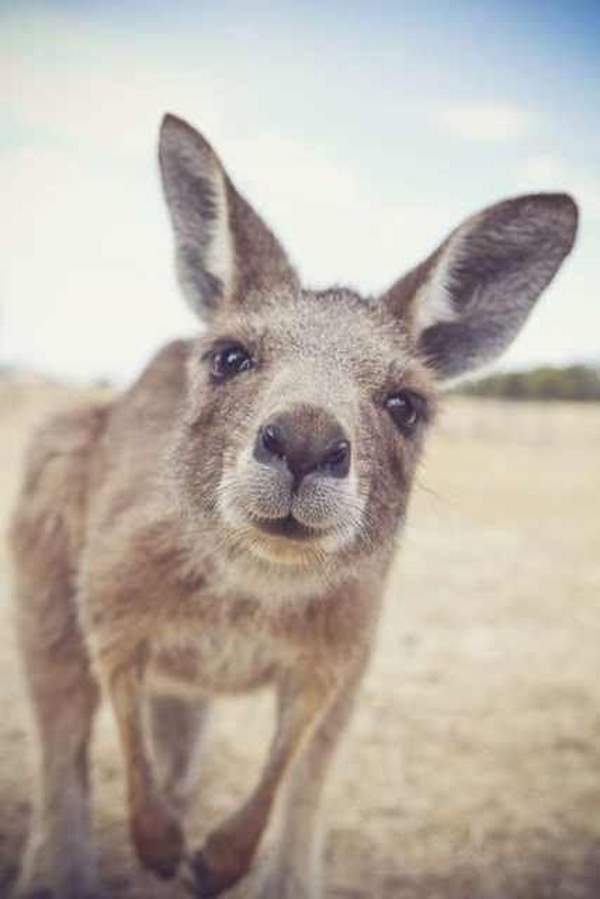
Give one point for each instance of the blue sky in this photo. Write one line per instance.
(362, 131)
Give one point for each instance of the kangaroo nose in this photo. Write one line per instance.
(304, 442)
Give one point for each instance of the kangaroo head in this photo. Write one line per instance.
(305, 410)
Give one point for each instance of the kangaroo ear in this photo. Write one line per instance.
(224, 251)
(470, 298)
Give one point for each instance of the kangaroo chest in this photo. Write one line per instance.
(213, 659)
(229, 651)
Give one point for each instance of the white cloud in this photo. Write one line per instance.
(85, 277)
(103, 106)
(544, 168)
(486, 122)
(288, 167)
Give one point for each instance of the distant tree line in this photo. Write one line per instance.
(573, 382)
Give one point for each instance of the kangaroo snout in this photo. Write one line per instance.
(294, 480)
(305, 441)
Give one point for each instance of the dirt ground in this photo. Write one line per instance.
(472, 769)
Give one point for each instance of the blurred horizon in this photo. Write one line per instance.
(362, 133)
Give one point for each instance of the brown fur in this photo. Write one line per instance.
(141, 567)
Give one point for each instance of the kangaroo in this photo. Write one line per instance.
(228, 522)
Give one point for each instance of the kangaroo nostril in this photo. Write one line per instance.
(272, 441)
(338, 458)
(302, 445)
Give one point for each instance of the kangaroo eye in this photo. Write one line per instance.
(407, 409)
(230, 360)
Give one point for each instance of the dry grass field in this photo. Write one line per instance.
(472, 769)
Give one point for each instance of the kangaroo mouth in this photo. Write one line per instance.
(288, 527)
